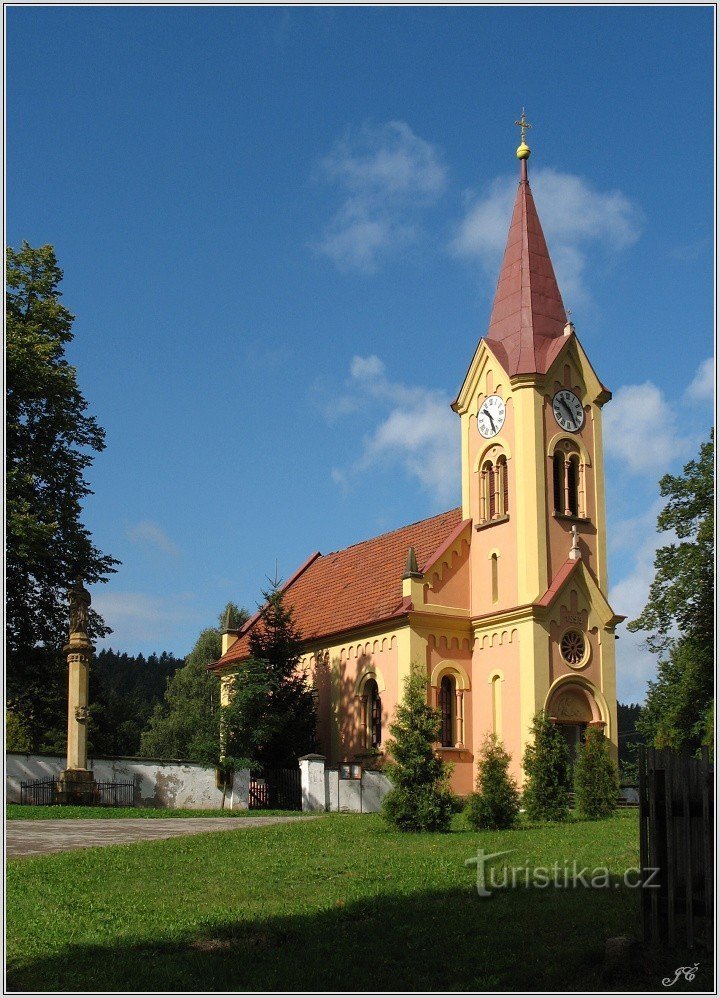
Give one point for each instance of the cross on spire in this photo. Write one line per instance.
(523, 124)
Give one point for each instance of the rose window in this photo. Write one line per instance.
(572, 647)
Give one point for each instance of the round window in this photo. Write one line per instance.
(572, 647)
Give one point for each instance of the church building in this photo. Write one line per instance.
(503, 600)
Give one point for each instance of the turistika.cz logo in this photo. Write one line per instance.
(565, 875)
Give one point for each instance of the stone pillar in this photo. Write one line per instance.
(79, 651)
(312, 780)
(241, 790)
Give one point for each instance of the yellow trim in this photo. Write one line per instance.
(446, 668)
(372, 673)
(495, 442)
(584, 453)
(574, 680)
(586, 654)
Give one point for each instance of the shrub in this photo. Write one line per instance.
(596, 781)
(421, 799)
(496, 802)
(546, 762)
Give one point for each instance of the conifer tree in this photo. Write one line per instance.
(421, 799)
(271, 718)
(546, 762)
(496, 801)
(596, 780)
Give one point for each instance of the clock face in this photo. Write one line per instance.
(491, 416)
(568, 410)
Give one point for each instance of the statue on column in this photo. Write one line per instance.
(79, 609)
(76, 782)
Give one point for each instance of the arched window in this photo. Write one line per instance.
(503, 489)
(373, 714)
(558, 482)
(573, 478)
(568, 483)
(494, 490)
(494, 576)
(446, 703)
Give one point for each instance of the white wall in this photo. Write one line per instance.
(158, 783)
(363, 795)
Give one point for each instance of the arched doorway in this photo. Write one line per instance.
(573, 709)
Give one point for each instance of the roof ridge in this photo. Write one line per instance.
(396, 530)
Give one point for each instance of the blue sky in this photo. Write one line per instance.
(281, 230)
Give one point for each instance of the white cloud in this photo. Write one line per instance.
(388, 173)
(641, 430)
(419, 432)
(702, 386)
(575, 216)
(136, 618)
(148, 533)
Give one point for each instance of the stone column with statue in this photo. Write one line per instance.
(77, 778)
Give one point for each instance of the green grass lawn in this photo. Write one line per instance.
(339, 903)
(29, 812)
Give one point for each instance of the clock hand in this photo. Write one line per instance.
(567, 409)
(492, 421)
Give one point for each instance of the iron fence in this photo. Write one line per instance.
(278, 789)
(55, 792)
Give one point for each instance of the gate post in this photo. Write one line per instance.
(239, 797)
(312, 782)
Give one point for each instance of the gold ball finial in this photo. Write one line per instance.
(523, 150)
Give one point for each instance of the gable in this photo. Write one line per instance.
(356, 587)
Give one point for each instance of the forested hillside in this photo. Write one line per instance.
(124, 690)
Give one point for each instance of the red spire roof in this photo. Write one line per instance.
(528, 317)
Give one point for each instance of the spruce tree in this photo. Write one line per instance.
(420, 799)
(596, 781)
(271, 718)
(496, 802)
(546, 762)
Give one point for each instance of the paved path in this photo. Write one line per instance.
(36, 838)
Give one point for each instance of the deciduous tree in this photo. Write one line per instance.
(186, 725)
(50, 442)
(680, 612)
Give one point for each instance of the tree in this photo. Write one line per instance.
(50, 440)
(596, 779)
(271, 717)
(186, 725)
(420, 799)
(124, 691)
(496, 802)
(679, 614)
(546, 762)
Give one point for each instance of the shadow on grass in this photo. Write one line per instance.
(518, 939)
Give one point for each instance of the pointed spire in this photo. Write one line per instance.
(528, 318)
(229, 622)
(411, 566)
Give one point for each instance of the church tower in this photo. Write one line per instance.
(533, 485)
(504, 600)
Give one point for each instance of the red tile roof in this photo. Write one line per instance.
(357, 586)
(563, 574)
(528, 318)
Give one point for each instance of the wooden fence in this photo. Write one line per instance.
(676, 840)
